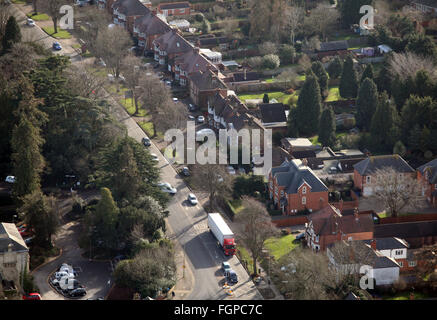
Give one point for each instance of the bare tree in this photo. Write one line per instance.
(295, 17)
(86, 83)
(396, 191)
(213, 179)
(257, 227)
(93, 20)
(289, 77)
(4, 16)
(268, 47)
(229, 26)
(112, 46)
(131, 69)
(407, 64)
(52, 8)
(322, 21)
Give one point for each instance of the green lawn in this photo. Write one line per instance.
(61, 34)
(19, 1)
(280, 247)
(278, 95)
(244, 255)
(147, 127)
(334, 94)
(406, 296)
(130, 107)
(236, 205)
(38, 16)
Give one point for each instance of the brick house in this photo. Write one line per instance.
(125, 12)
(427, 176)
(328, 226)
(14, 253)
(294, 187)
(174, 9)
(147, 28)
(204, 85)
(364, 171)
(168, 46)
(190, 62)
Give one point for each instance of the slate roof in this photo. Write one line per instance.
(431, 168)
(389, 243)
(334, 46)
(291, 175)
(130, 7)
(150, 24)
(173, 5)
(250, 76)
(193, 61)
(206, 80)
(272, 112)
(306, 154)
(347, 165)
(212, 41)
(406, 230)
(9, 235)
(371, 164)
(172, 42)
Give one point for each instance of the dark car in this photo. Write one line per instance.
(146, 141)
(300, 236)
(185, 172)
(231, 277)
(56, 46)
(79, 292)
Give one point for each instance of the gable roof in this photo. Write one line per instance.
(206, 80)
(272, 112)
(291, 175)
(245, 76)
(431, 168)
(9, 235)
(193, 61)
(131, 7)
(389, 243)
(173, 5)
(172, 42)
(371, 164)
(333, 45)
(150, 24)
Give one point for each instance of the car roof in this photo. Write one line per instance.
(225, 263)
(192, 195)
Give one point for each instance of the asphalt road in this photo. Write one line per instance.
(188, 223)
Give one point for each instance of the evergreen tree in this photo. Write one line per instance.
(349, 82)
(399, 148)
(383, 128)
(12, 34)
(292, 128)
(383, 80)
(366, 104)
(266, 98)
(206, 27)
(322, 77)
(335, 68)
(309, 106)
(327, 128)
(367, 73)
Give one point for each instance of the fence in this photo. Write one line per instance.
(410, 218)
(289, 221)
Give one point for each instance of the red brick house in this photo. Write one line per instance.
(125, 12)
(328, 226)
(147, 28)
(294, 187)
(190, 62)
(168, 46)
(174, 9)
(204, 85)
(427, 176)
(364, 171)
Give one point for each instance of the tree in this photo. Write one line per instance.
(350, 11)
(12, 34)
(257, 227)
(322, 21)
(206, 27)
(348, 83)
(384, 125)
(366, 103)
(40, 214)
(423, 46)
(287, 54)
(247, 185)
(335, 68)
(111, 44)
(407, 64)
(267, 47)
(271, 61)
(53, 9)
(309, 106)
(399, 148)
(266, 98)
(367, 73)
(322, 77)
(327, 128)
(295, 15)
(4, 16)
(132, 73)
(397, 191)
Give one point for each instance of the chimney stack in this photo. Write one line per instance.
(373, 244)
(305, 161)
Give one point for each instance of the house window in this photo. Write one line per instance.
(401, 264)
(412, 263)
(304, 190)
(304, 200)
(282, 193)
(368, 179)
(9, 265)
(399, 252)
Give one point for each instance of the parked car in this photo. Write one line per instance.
(146, 141)
(226, 266)
(192, 199)
(28, 240)
(185, 172)
(200, 119)
(231, 170)
(191, 107)
(300, 236)
(167, 187)
(192, 118)
(30, 22)
(219, 178)
(32, 296)
(100, 62)
(204, 132)
(154, 157)
(332, 170)
(56, 46)
(10, 179)
(79, 292)
(175, 99)
(231, 276)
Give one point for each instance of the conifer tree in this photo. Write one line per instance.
(12, 34)
(309, 106)
(366, 103)
(349, 82)
(327, 128)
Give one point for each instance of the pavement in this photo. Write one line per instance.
(198, 256)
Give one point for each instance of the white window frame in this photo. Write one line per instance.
(304, 190)
(304, 200)
(412, 263)
(368, 179)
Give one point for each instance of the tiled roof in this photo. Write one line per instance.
(334, 45)
(291, 175)
(388, 243)
(173, 5)
(131, 7)
(150, 24)
(245, 76)
(206, 80)
(406, 230)
(371, 164)
(431, 168)
(193, 61)
(9, 235)
(212, 41)
(272, 112)
(172, 42)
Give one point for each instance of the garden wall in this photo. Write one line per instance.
(289, 221)
(410, 218)
(259, 87)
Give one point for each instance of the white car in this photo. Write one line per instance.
(175, 99)
(30, 22)
(192, 199)
(200, 119)
(167, 187)
(154, 157)
(10, 179)
(231, 170)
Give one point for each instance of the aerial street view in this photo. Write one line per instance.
(244, 153)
